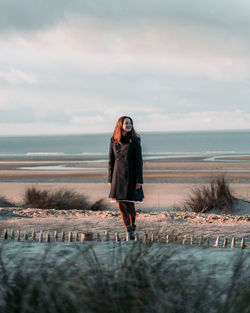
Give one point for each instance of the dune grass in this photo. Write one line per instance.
(4, 202)
(137, 279)
(60, 199)
(216, 196)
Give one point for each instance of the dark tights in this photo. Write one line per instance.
(127, 210)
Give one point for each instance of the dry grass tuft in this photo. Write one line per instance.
(216, 196)
(4, 202)
(60, 199)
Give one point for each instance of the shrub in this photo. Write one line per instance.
(4, 202)
(216, 196)
(60, 199)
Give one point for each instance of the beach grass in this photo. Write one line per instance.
(215, 196)
(62, 199)
(132, 278)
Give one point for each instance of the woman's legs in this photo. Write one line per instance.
(128, 214)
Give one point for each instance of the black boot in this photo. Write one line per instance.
(131, 232)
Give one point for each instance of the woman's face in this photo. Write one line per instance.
(127, 125)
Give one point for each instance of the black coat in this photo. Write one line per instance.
(125, 170)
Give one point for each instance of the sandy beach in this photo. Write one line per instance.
(167, 184)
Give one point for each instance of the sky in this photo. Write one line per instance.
(76, 66)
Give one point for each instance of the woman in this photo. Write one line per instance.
(125, 171)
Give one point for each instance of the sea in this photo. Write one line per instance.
(155, 145)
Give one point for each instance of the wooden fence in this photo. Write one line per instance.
(47, 236)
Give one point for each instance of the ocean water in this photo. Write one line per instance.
(206, 144)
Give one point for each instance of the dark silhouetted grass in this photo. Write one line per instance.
(60, 199)
(4, 202)
(216, 196)
(138, 279)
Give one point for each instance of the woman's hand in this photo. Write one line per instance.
(138, 186)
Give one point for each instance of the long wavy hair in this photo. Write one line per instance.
(117, 134)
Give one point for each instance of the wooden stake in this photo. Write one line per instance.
(201, 241)
(127, 236)
(63, 236)
(145, 237)
(117, 237)
(136, 237)
(184, 240)
(217, 241)
(106, 235)
(242, 244)
(5, 234)
(224, 243)
(70, 237)
(41, 236)
(98, 237)
(233, 242)
(25, 235)
(18, 235)
(86, 237)
(76, 236)
(12, 234)
(152, 238)
(55, 236)
(191, 240)
(33, 236)
(47, 237)
(167, 239)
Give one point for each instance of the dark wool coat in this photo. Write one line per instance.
(125, 170)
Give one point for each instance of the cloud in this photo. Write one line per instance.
(15, 76)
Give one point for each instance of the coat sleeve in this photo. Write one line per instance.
(111, 162)
(139, 162)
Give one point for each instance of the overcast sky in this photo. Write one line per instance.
(76, 66)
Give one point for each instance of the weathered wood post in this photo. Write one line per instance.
(152, 238)
(5, 234)
(107, 235)
(167, 239)
(224, 243)
(98, 237)
(201, 241)
(25, 235)
(55, 236)
(184, 241)
(242, 244)
(117, 237)
(217, 241)
(127, 236)
(63, 236)
(145, 237)
(33, 235)
(136, 237)
(70, 236)
(191, 240)
(12, 234)
(47, 237)
(18, 235)
(175, 238)
(233, 242)
(207, 243)
(76, 236)
(41, 236)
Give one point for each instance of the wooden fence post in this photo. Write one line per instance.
(117, 237)
(98, 237)
(225, 242)
(201, 241)
(33, 235)
(217, 241)
(233, 242)
(41, 236)
(242, 244)
(55, 236)
(25, 235)
(106, 235)
(145, 237)
(5, 234)
(18, 235)
(63, 236)
(12, 234)
(47, 237)
(191, 240)
(184, 240)
(167, 239)
(70, 237)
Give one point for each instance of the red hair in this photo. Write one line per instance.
(117, 134)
